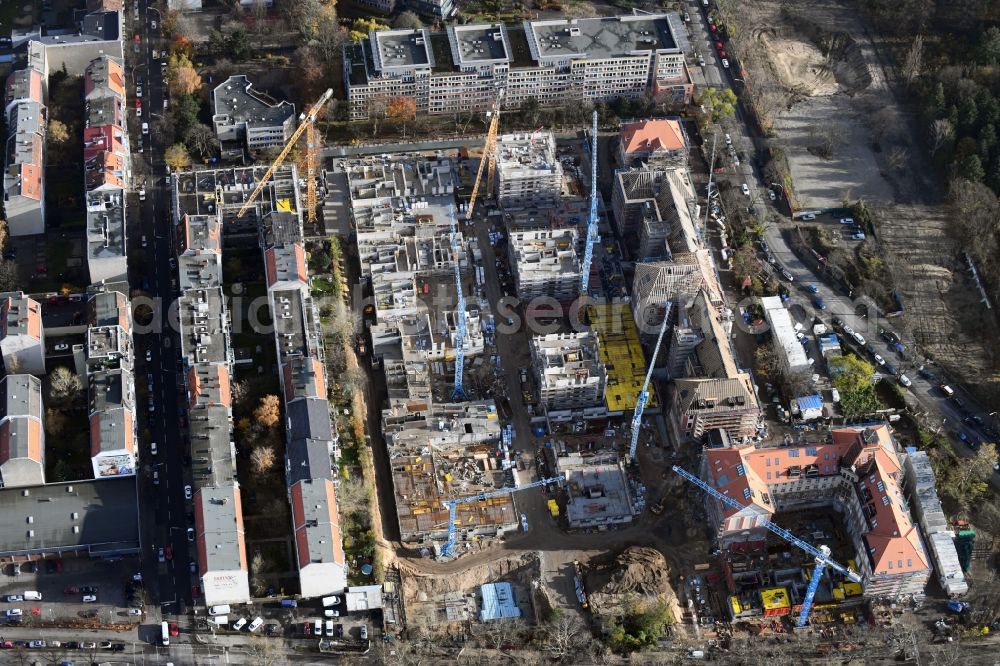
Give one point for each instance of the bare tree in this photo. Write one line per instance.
(263, 652)
(942, 133)
(914, 59)
(9, 279)
(898, 158)
(65, 387)
(565, 636)
(498, 633)
(262, 459)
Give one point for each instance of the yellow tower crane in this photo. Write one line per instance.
(489, 154)
(306, 121)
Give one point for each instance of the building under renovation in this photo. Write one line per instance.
(527, 171)
(677, 281)
(597, 490)
(655, 211)
(568, 371)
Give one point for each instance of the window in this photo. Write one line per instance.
(768, 476)
(826, 469)
(811, 451)
(880, 486)
(768, 461)
(746, 493)
(899, 563)
(826, 455)
(777, 461)
(885, 500)
(874, 523)
(909, 563)
(777, 474)
(740, 469)
(793, 453)
(890, 564)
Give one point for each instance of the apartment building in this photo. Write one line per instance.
(110, 381)
(555, 61)
(568, 371)
(22, 432)
(106, 170)
(677, 281)
(713, 392)
(545, 263)
(653, 143)
(434, 9)
(22, 338)
(248, 119)
(24, 154)
(199, 260)
(857, 472)
(528, 173)
(310, 436)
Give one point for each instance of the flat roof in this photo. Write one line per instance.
(237, 100)
(598, 38)
(478, 44)
(95, 515)
(402, 49)
(212, 452)
(597, 489)
(784, 332)
(105, 224)
(21, 396)
(203, 326)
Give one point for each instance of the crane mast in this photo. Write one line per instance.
(593, 236)
(305, 122)
(447, 549)
(821, 554)
(640, 403)
(311, 147)
(460, 331)
(489, 153)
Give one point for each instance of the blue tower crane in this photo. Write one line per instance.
(640, 403)
(593, 237)
(447, 549)
(460, 331)
(821, 554)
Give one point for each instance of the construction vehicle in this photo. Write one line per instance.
(640, 403)
(306, 121)
(821, 554)
(489, 154)
(453, 504)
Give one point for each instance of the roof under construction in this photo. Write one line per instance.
(621, 354)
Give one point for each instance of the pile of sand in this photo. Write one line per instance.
(801, 67)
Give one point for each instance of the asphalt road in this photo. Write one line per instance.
(865, 320)
(161, 485)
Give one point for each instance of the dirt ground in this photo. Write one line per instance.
(815, 98)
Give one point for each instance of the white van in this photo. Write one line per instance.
(947, 390)
(220, 620)
(31, 595)
(219, 610)
(165, 633)
(331, 601)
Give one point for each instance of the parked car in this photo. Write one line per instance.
(858, 236)
(746, 189)
(37, 645)
(88, 589)
(89, 598)
(847, 220)
(187, 492)
(809, 217)
(787, 275)
(161, 556)
(812, 289)
(255, 625)
(239, 624)
(819, 303)
(725, 65)
(15, 612)
(364, 632)
(11, 598)
(905, 381)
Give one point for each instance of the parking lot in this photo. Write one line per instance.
(63, 585)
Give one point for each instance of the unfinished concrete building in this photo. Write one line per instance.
(677, 281)
(568, 371)
(545, 263)
(655, 212)
(714, 393)
(597, 490)
(527, 170)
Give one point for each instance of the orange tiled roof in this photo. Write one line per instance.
(651, 135)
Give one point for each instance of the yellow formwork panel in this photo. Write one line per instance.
(621, 353)
(774, 598)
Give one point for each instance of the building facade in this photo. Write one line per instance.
(24, 154)
(568, 371)
(22, 432)
(22, 337)
(556, 62)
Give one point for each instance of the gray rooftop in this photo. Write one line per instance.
(307, 459)
(321, 534)
(199, 271)
(19, 84)
(107, 391)
(597, 38)
(106, 342)
(212, 451)
(309, 419)
(236, 98)
(99, 516)
(290, 328)
(112, 431)
(202, 317)
(201, 233)
(105, 224)
(478, 44)
(107, 309)
(103, 25)
(21, 396)
(25, 123)
(217, 523)
(402, 49)
(105, 111)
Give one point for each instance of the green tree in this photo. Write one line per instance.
(407, 21)
(238, 44)
(988, 50)
(186, 111)
(717, 103)
(640, 627)
(971, 168)
(852, 377)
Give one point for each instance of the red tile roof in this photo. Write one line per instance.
(651, 135)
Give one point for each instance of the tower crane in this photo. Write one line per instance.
(312, 143)
(640, 403)
(460, 331)
(306, 121)
(593, 236)
(821, 554)
(447, 549)
(489, 152)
